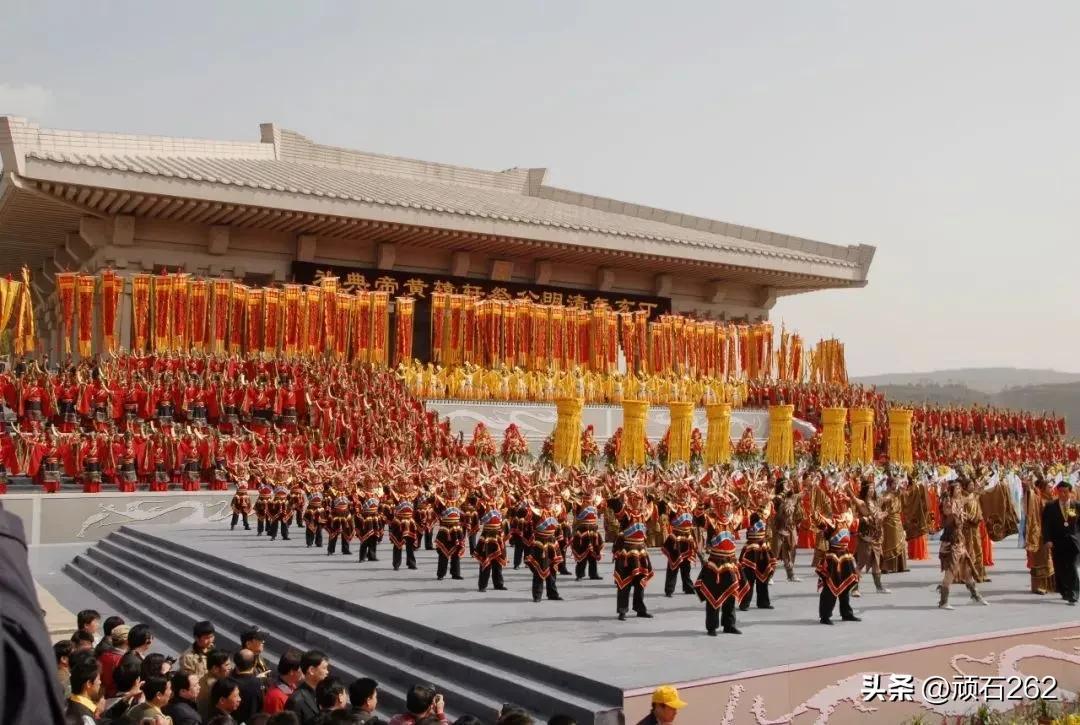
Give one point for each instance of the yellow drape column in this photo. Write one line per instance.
(862, 435)
(900, 437)
(718, 437)
(832, 436)
(682, 424)
(780, 450)
(632, 450)
(568, 431)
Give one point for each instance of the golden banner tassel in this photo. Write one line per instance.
(632, 450)
(682, 424)
(832, 436)
(25, 332)
(568, 432)
(780, 449)
(9, 295)
(900, 437)
(718, 436)
(862, 436)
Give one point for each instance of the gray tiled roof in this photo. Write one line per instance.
(427, 194)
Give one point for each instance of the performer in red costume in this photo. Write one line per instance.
(490, 551)
(633, 569)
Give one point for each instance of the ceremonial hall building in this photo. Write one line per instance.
(284, 208)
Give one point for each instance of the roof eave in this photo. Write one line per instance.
(400, 214)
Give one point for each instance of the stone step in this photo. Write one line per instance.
(172, 602)
(171, 634)
(449, 661)
(100, 578)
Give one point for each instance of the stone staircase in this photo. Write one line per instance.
(153, 580)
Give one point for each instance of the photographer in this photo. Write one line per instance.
(422, 702)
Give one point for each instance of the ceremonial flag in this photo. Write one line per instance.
(65, 292)
(140, 312)
(85, 290)
(111, 287)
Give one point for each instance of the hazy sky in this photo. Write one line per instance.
(944, 133)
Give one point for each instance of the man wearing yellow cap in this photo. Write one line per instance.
(665, 706)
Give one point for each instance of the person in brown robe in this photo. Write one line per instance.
(788, 514)
(1036, 495)
(893, 537)
(871, 519)
(972, 538)
(955, 552)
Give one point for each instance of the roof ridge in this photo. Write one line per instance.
(695, 222)
(530, 209)
(294, 146)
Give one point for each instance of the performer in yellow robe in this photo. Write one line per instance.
(894, 540)
(973, 517)
(1036, 495)
(917, 520)
(821, 510)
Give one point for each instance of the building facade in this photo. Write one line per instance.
(276, 209)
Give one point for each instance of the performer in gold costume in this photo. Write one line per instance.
(971, 519)
(1037, 494)
(868, 552)
(893, 539)
(955, 551)
(787, 503)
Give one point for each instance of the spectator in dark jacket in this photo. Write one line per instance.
(251, 686)
(139, 641)
(224, 699)
(219, 666)
(364, 696)
(315, 666)
(29, 690)
(331, 696)
(183, 709)
(128, 690)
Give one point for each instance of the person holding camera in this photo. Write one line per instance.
(422, 702)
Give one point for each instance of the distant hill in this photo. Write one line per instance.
(933, 393)
(983, 380)
(1063, 399)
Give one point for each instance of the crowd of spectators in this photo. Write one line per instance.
(110, 675)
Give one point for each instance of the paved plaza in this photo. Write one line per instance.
(582, 635)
